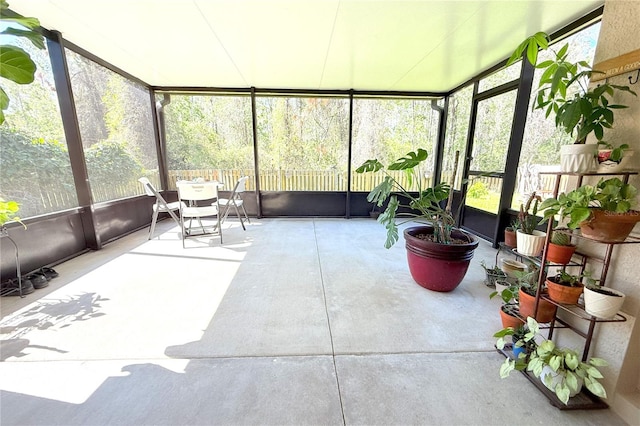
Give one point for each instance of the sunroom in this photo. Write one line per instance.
(296, 96)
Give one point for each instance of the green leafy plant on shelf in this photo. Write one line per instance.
(611, 195)
(564, 90)
(527, 222)
(16, 64)
(567, 279)
(570, 373)
(8, 213)
(617, 152)
(561, 239)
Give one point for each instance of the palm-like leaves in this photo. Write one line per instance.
(426, 205)
(581, 113)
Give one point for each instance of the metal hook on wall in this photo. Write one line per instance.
(636, 80)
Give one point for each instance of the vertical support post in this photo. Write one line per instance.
(443, 114)
(515, 145)
(256, 168)
(161, 137)
(74, 140)
(349, 153)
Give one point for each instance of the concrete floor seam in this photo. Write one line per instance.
(326, 311)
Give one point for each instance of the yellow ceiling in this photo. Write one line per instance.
(428, 45)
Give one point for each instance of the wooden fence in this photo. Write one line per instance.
(42, 199)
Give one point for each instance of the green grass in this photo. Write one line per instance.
(488, 203)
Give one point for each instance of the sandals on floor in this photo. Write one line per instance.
(48, 272)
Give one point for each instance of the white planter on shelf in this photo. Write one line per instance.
(578, 158)
(601, 305)
(607, 166)
(530, 244)
(556, 378)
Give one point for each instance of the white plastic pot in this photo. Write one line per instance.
(556, 379)
(578, 158)
(530, 244)
(602, 305)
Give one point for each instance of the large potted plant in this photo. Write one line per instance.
(559, 369)
(564, 90)
(530, 241)
(437, 252)
(603, 212)
(16, 63)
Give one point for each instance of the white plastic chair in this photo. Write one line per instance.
(190, 193)
(235, 201)
(161, 205)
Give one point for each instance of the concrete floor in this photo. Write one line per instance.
(290, 322)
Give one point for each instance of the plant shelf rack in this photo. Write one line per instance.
(585, 399)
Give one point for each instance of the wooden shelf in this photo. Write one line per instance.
(584, 400)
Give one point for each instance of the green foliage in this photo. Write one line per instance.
(427, 202)
(478, 190)
(566, 279)
(564, 362)
(561, 239)
(611, 195)
(109, 163)
(563, 90)
(15, 64)
(8, 212)
(31, 167)
(617, 152)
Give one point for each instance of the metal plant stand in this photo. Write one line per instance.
(5, 234)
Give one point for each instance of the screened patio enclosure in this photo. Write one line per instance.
(295, 95)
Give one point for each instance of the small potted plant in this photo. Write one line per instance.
(560, 369)
(603, 212)
(522, 341)
(564, 90)
(438, 253)
(509, 311)
(612, 159)
(530, 241)
(560, 249)
(564, 288)
(528, 286)
(510, 239)
(493, 274)
(601, 302)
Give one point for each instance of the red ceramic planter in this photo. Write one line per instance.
(434, 266)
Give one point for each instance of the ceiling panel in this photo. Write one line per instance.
(428, 45)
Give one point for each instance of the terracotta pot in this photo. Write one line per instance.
(608, 226)
(560, 254)
(510, 238)
(509, 320)
(546, 310)
(434, 266)
(530, 244)
(564, 294)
